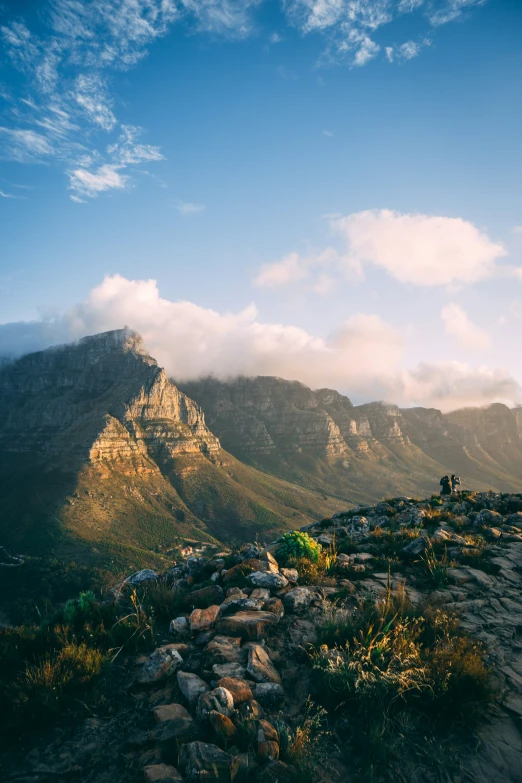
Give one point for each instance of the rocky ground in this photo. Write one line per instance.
(218, 699)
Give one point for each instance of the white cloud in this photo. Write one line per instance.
(425, 250)
(363, 356)
(328, 133)
(449, 10)
(26, 146)
(224, 17)
(90, 183)
(457, 324)
(90, 93)
(289, 269)
(189, 208)
(128, 151)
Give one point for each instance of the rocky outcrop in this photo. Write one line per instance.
(103, 398)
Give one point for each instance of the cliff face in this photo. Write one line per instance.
(103, 398)
(98, 445)
(320, 439)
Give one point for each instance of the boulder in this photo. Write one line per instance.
(247, 625)
(204, 597)
(221, 670)
(275, 606)
(162, 773)
(415, 547)
(249, 710)
(223, 649)
(268, 579)
(222, 725)
(160, 664)
(291, 574)
(174, 725)
(488, 517)
(260, 667)
(218, 700)
(240, 689)
(261, 593)
(191, 686)
(141, 577)
(203, 619)
(179, 626)
(201, 761)
(297, 600)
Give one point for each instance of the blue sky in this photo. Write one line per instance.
(327, 190)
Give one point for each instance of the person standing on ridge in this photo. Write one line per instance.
(455, 482)
(445, 486)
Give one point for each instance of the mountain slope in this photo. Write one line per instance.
(319, 439)
(103, 459)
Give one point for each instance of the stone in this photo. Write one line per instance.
(515, 520)
(141, 577)
(170, 712)
(180, 727)
(191, 686)
(223, 649)
(268, 579)
(260, 593)
(297, 600)
(162, 663)
(267, 750)
(290, 573)
(275, 606)
(247, 625)
(203, 619)
(222, 725)
(162, 772)
(221, 670)
(240, 689)
(260, 667)
(201, 761)
(488, 517)
(204, 597)
(441, 535)
(234, 591)
(179, 626)
(458, 576)
(218, 700)
(240, 603)
(248, 765)
(266, 731)
(415, 547)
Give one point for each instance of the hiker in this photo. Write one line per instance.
(446, 486)
(455, 482)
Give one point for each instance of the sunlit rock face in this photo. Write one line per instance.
(103, 398)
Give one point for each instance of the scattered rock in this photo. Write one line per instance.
(205, 597)
(191, 686)
(247, 625)
(260, 666)
(240, 689)
(218, 700)
(162, 663)
(162, 772)
(268, 579)
(203, 619)
(141, 577)
(201, 761)
(298, 599)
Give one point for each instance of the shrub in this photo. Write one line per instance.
(297, 545)
(308, 747)
(395, 674)
(77, 609)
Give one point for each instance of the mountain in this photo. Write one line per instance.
(104, 460)
(320, 440)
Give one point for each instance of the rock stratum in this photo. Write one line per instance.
(360, 453)
(103, 458)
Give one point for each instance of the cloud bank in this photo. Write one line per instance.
(424, 250)
(363, 357)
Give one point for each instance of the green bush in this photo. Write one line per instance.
(296, 545)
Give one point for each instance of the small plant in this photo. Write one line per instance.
(308, 747)
(436, 570)
(78, 609)
(295, 545)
